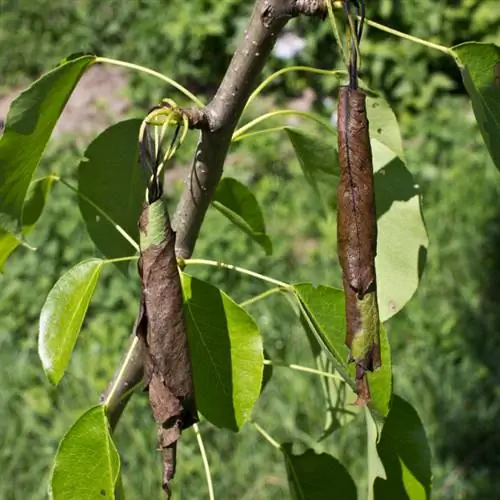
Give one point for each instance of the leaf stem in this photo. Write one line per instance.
(259, 132)
(276, 74)
(101, 212)
(204, 458)
(266, 435)
(118, 380)
(261, 296)
(218, 263)
(279, 112)
(154, 73)
(411, 38)
(305, 369)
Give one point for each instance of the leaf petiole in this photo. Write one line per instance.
(223, 265)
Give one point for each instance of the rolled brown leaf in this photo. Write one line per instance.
(357, 235)
(162, 328)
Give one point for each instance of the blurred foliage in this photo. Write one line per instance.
(446, 343)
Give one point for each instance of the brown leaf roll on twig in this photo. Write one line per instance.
(162, 328)
(357, 236)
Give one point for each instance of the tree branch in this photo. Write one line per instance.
(221, 116)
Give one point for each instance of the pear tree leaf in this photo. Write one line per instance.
(34, 204)
(479, 64)
(62, 316)
(110, 181)
(317, 476)
(226, 354)
(404, 451)
(87, 464)
(28, 127)
(235, 201)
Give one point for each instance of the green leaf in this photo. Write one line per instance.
(480, 67)
(234, 200)
(375, 466)
(313, 476)
(226, 353)
(34, 204)
(87, 463)
(325, 308)
(110, 178)
(30, 121)
(383, 125)
(402, 238)
(405, 453)
(317, 155)
(380, 381)
(62, 316)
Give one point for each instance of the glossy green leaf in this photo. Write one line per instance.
(30, 121)
(226, 354)
(34, 203)
(325, 308)
(87, 463)
(405, 453)
(313, 476)
(110, 178)
(234, 200)
(375, 466)
(62, 316)
(479, 64)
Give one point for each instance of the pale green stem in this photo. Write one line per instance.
(336, 34)
(411, 38)
(307, 69)
(305, 369)
(259, 132)
(151, 72)
(266, 435)
(217, 263)
(118, 379)
(261, 296)
(101, 212)
(204, 458)
(279, 112)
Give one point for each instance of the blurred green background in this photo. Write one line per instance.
(446, 342)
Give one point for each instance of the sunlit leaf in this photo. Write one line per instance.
(87, 463)
(405, 453)
(33, 206)
(480, 67)
(30, 121)
(375, 465)
(110, 178)
(402, 238)
(62, 316)
(234, 200)
(226, 353)
(317, 476)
